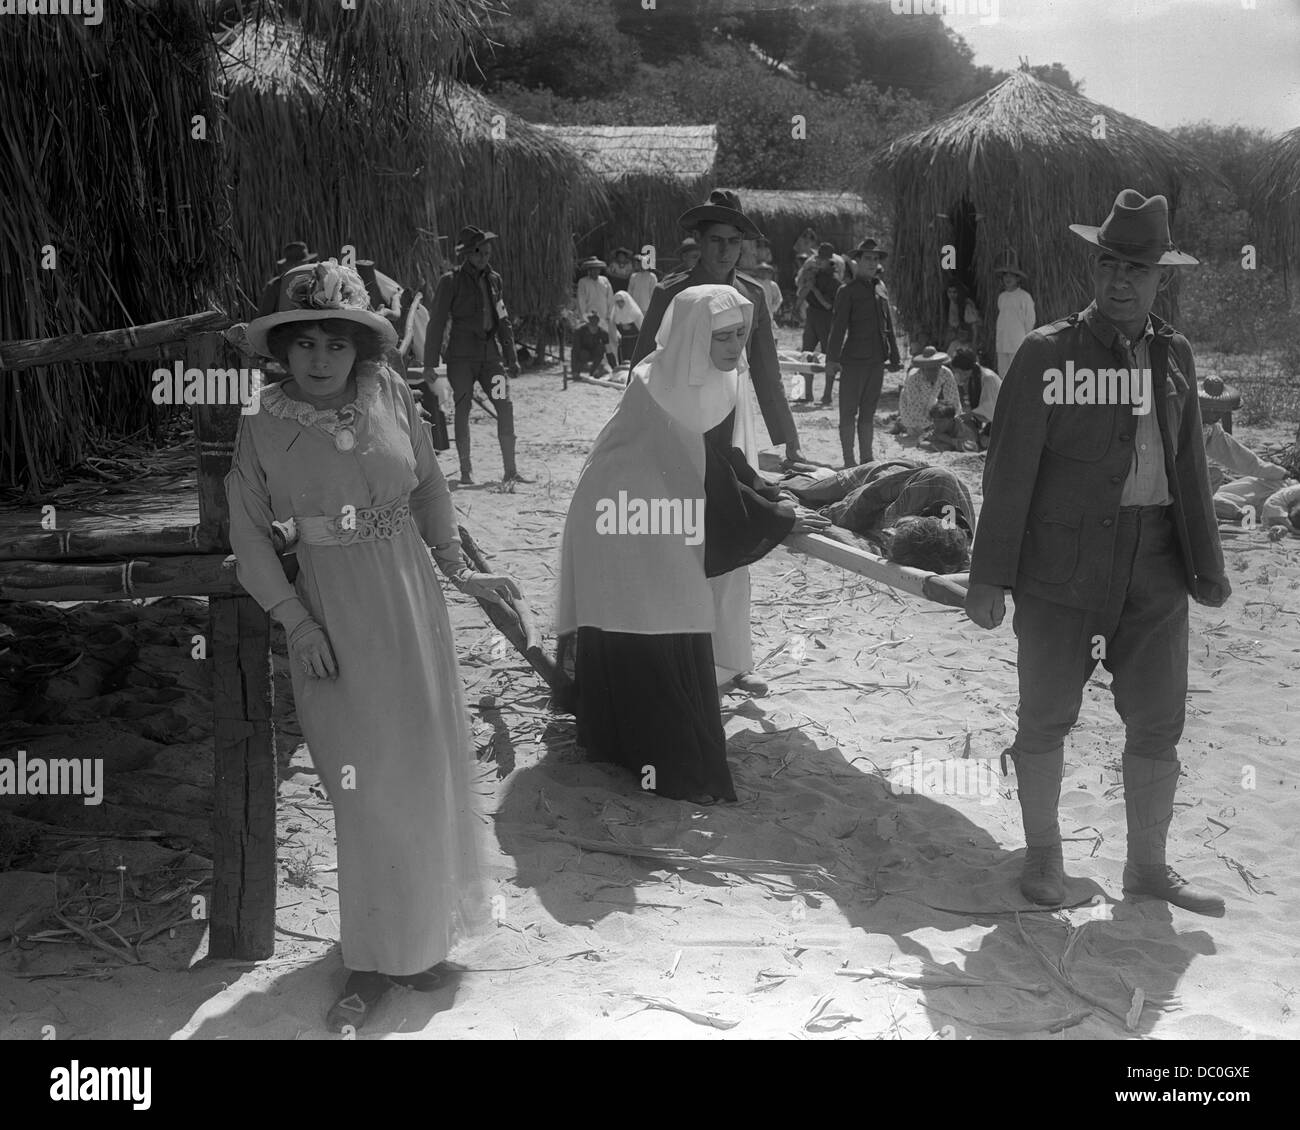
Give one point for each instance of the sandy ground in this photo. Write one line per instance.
(886, 916)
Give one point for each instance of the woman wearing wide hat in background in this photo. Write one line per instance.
(339, 458)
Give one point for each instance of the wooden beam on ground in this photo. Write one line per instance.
(108, 345)
(242, 919)
(514, 621)
(599, 383)
(949, 590)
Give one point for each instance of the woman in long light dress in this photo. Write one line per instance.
(339, 457)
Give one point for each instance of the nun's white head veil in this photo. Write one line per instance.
(680, 374)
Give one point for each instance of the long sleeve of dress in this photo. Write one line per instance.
(743, 520)
(431, 504)
(249, 498)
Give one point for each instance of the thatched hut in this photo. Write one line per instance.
(841, 218)
(398, 191)
(652, 174)
(1011, 170)
(1275, 201)
(132, 196)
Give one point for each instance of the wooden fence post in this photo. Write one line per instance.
(242, 915)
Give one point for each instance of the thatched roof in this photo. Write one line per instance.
(1275, 198)
(1023, 158)
(679, 153)
(399, 191)
(809, 206)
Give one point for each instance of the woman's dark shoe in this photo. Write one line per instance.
(361, 995)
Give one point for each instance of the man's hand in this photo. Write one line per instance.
(832, 370)
(1213, 592)
(512, 370)
(985, 605)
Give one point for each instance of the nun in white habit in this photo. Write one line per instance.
(665, 501)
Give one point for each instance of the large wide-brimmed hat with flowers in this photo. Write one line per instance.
(319, 292)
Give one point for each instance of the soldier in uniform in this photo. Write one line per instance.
(718, 227)
(1098, 518)
(481, 339)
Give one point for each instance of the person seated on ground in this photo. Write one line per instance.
(590, 344)
(1238, 476)
(949, 431)
(983, 385)
(1282, 510)
(873, 498)
(928, 382)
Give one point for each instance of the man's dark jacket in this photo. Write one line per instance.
(764, 368)
(1055, 473)
(855, 335)
(459, 297)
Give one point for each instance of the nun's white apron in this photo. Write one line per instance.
(733, 652)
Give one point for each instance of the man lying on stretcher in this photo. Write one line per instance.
(911, 513)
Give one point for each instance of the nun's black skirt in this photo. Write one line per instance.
(652, 702)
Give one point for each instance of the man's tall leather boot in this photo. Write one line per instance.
(466, 471)
(512, 474)
(1149, 787)
(1038, 784)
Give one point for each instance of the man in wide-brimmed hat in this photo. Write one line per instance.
(480, 347)
(718, 226)
(1097, 517)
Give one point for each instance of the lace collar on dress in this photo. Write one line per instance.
(279, 403)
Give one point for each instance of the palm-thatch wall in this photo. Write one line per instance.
(652, 174)
(103, 164)
(100, 167)
(1012, 169)
(397, 192)
(1275, 201)
(841, 218)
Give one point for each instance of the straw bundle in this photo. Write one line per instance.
(101, 166)
(400, 189)
(1023, 157)
(1275, 199)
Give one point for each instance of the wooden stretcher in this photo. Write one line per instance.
(840, 548)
